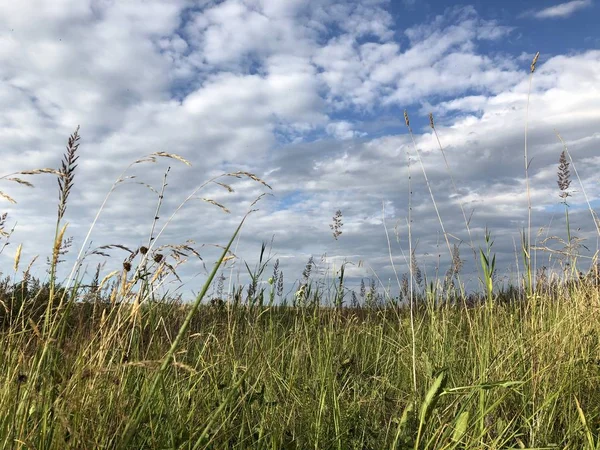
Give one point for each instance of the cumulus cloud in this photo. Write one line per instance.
(560, 11)
(295, 94)
(343, 130)
(441, 60)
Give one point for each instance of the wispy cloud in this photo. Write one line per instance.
(560, 11)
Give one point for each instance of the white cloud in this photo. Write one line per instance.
(343, 130)
(442, 59)
(560, 11)
(282, 90)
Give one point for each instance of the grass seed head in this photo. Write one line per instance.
(3, 224)
(172, 156)
(20, 181)
(67, 170)
(564, 176)
(534, 62)
(337, 224)
(18, 257)
(40, 171)
(8, 197)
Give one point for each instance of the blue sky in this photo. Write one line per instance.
(535, 20)
(310, 97)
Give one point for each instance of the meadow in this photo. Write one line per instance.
(107, 363)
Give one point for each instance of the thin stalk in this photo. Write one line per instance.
(432, 125)
(411, 272)
(428, 184)
(412, 327)
(526, 158)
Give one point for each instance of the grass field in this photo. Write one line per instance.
(511, 374)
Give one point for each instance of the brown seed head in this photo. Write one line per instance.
(337, 224)
(67, 171)
(534, 62)
(431, 120)
(564, 176)
(127, 266)
(158, 257)
(143, 250)
(406, 118)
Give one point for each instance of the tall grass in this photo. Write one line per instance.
(238, 377)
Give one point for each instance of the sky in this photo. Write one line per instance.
(309, 96)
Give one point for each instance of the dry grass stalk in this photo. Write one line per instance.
(29, 266)
(106, 278)
(432, 125)
(249, 175)
(58, 242)
(23, 182)
(151, 159)
(8, 197)
(158, 272)
(172, 156)
(179, 250)
(144, 364)
(257, 200)
(212, 202)
(226, 186)
(99, 250)
(534, 62)
(407, 121)
(185, 367)
(35, 329)
(135, 317)
(146, 185)
(410, 267)
(20, 181)
(527, 246)
(3, 233)
(40, 171)
(18, 257)
(3, 223)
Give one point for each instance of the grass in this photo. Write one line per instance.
(299, 378)
(112, 363)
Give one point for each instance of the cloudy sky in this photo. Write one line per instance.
(309, 96)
